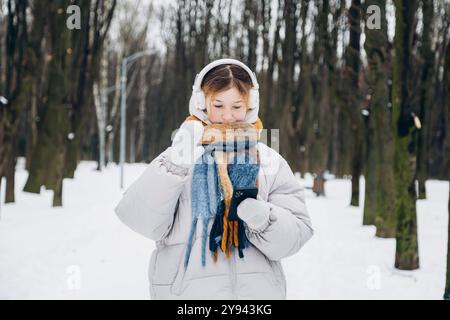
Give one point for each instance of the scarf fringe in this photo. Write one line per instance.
(191, 237)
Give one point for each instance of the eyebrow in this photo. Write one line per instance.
(233, 102)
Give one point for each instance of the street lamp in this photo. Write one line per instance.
(123, 105)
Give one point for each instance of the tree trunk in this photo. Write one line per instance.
(356, 171)
(370, 172)
(426, 89)
(319, 184)
(380, 196)
(447, 100)
(142, 111)
(385, 218)
(113, 116)
(10, 170)
(353, 69)
(17, 90)
(407, 256)
(100, 113)
(104, 100)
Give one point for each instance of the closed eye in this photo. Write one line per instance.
(218, 106)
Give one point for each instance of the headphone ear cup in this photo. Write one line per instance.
(254, 98)
(200, 100)
(192, 101)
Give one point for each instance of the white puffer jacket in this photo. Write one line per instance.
(158, 206)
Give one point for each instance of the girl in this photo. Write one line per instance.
(183, 200)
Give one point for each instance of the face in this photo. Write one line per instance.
(226, 106)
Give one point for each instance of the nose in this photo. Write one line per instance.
(227, 118)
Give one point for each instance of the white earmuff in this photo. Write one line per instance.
(254, 99)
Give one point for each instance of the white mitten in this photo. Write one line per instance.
(186, 148)
(255, 213)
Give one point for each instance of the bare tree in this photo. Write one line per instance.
(407, 256)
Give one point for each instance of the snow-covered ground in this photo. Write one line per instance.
(82, 251)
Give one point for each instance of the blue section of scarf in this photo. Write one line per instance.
(208, 196)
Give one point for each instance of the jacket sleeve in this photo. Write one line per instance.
(148, 206)
(289, 226)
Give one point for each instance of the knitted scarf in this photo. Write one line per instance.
(230, 161)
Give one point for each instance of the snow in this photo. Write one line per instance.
(83, 251)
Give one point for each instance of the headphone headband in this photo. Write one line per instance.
(199, 77)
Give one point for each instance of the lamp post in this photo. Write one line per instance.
(123, 105)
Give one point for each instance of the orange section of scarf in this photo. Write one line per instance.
(258, 124)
